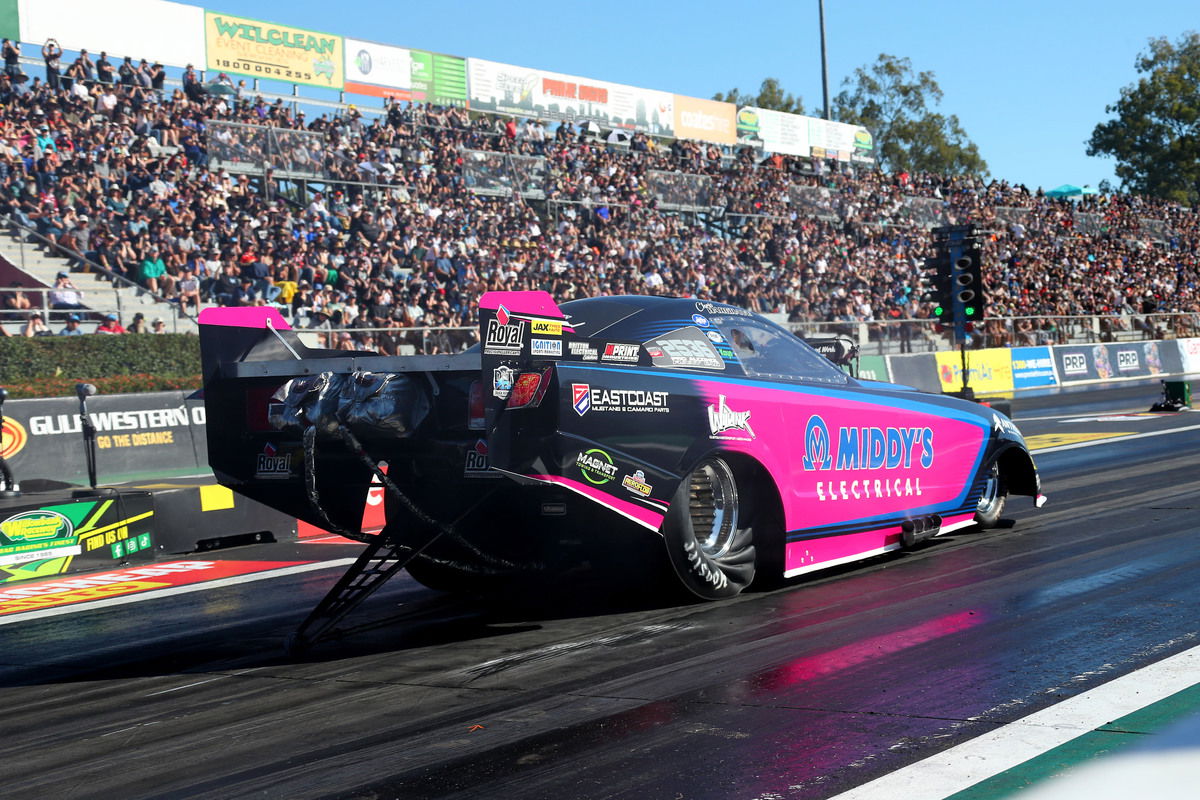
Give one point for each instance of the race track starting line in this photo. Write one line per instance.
(968, 765)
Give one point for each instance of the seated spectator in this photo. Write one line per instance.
(72, 327)
(159, 325)
(111, 324)
(64, 294)
(36, 325)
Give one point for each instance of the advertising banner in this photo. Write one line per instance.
(1102, 362)
(706, 120)
(380, 70)
(873, 368)
(989, 371)
(137, 435)
(274, 52)
(797, 135)
(918, 371)
(1189, 354)
(172, 33)
(526, 92)
(1033, 366)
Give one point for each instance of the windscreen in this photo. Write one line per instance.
(768, 351)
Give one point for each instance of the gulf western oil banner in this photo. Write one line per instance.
(526, 92)
(274, 52)
(380, 70)
(137, 435)
(988, 371)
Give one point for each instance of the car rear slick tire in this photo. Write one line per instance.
(991, 502)
(709, 531)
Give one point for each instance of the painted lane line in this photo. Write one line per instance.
(155, 594)
(1014, 743)
(1146, 435)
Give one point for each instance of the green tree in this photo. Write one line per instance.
(1155, 135)
(770, 95)
(897, 106)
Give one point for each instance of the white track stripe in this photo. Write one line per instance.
(1112, 440)
(154, 594)
(985, 756)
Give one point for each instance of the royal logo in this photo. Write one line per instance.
(271, 464)
(724, 421)
(477, 464)
(614, 351)
(504, 337)
(596, 466)
(581, 398)
(865, 448)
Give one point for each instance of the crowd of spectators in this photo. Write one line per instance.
(121, 171)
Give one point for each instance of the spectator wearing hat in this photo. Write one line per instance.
(36, 325)
(64, 294)
(159, 325)
(111, 324)
(138, 325)
(72, 327)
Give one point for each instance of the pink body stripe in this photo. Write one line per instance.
(642, 516)
(247, 317)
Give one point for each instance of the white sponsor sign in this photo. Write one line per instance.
(380, 64)
(156, 31)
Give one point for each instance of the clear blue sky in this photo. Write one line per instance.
(1028, 80)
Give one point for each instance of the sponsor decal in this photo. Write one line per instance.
(1075, 363)
(477, 464)
(545, 327)
(727, 352)
(615, 351)
(1002, 424)
(502, 381)
(584, 350)
(505, 335)
(713, 336)
(725, 423)
(12, 438)
(581, 398)
(584, 399)
(38, 525)
(1128, 360)
(596, 466)
(704, 307)
(701, 320)
(546, 347)
(636, 483)
(696, 352)
(272, 465)
(654, 351)
(97, 586)
(871, 449)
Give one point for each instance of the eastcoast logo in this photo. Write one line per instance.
(584, 399)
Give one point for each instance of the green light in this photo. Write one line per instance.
(969, 311)
(937, 312)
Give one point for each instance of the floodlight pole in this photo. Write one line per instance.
(828, 113)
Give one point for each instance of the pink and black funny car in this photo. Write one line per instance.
(569, 430)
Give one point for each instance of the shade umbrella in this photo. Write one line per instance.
(1066, 190)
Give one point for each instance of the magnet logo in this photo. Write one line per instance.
(581, 397)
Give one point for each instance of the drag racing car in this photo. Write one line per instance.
(568, 432)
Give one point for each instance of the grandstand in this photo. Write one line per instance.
(386, 225)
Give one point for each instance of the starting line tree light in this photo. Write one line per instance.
(957, 279)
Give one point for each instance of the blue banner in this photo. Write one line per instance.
(1032, 366)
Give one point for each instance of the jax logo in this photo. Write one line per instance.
(581, 398)
(865, 448)
(817, 454)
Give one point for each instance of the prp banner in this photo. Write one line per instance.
(1103, 362)
(706, 120)
(526, 92)
(1189, 354)
(274, 52)
(1033, 366)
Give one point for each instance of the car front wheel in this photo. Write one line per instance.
(709, 532)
